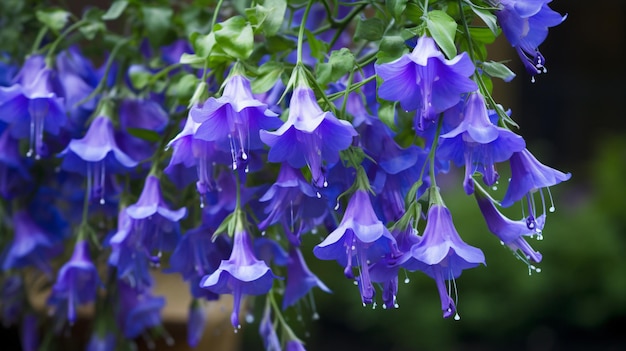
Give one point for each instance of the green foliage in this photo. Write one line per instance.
(235, 37)
(54, 18)
(442, 27)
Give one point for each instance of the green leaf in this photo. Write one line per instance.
(274, 14)
(279, 44)
(115, 10)
(442, 28)
(339, 64)
(498, 70)
(488, 17)
(202, 44)
(92, 28)
(235, 37)
(157, 21)
(391, 47)
(371, 29)
(190, 59)
(144, 134)
(140, 78)
(318, 47)
(55, 19)
(387, 113)
(396, 7)
(413, 12)
(482, 35)
(183, 87)
(268, 74)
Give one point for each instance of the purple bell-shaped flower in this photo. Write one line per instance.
(300, 279)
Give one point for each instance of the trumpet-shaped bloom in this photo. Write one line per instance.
(525, 24)
(77, 282)
(95, 155)
(309, 137)
(511, 233)
(33, 105)
(242, 274)
(478, 143)
(300, 279)
(426, 81)
(234, 119)
(13, 171)
(442, 254)
(137, 310)
(360, 234)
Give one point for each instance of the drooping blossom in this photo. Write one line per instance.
(479, 144)
(77, 283)
(310, 137)
(137, 310)
(528, 176)
(300, 279)
(140, 115)
(360, 237)
(442, 254)
(128, 255)
(33, 105)
(426, 81)
(234, 120)
(294, 345)
(511, 233)
(525, 25)
(242, 274)
(96, 155)
(13, 171)
(196, 322)
(267, 331)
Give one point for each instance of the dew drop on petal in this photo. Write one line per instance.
(552, 209)
(407, 280)
(457, 317)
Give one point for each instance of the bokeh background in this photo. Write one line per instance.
(573, 120)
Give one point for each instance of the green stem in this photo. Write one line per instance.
(215, 14)
(42, 33)
(62, 36)
(301, 30)
(431, 153)
(468, 37)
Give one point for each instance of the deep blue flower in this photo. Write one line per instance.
(31, 245)
(242, 274)
(525, 24)
(300, 279)
(309, 137)
(442, 254)
(362, 235)
(105, 342)
(478, 144)
(33, 105)
(7, 71)
(96, 155)
(77, 282)
(137, 310)
(131, 258)
(294, 345)
(426, 81)
(267, 331)
(196, 322)
(234, 119)
(511, 233)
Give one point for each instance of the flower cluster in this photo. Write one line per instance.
(216, 156)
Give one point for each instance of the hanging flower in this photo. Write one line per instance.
(300, 280)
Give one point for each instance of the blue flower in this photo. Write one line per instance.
(360, 234)
(525, 24)
(96, 155)
(426, 81)
(309, 137)
(442, 254)
(242, 274)
(77, 282)
(234, 119)
(478, 143)
(267, 331)
(300, 280)
(32, 105)
(196, 322)
(137, 310)
(13, 171)
(511, 233)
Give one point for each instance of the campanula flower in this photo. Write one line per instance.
(360, 234)
(426, 81)
(137, 310)
(300, 279)
(77, 282)
(234, 119)
(267, 331)
(96, 155)
(525, 25)
(309, 137)
(442, 254)
(242, 274)
(33, 105)
(196, 322)
(478, 144)
(13, 170)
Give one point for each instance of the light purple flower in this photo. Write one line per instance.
(309, 137)
(294, 345)
(360, 234)
(95, 155)
(442, 254)
(267, 331)
(426, 81)
(525, 24)
(234, 119)
(137, 310)
(511, 233)
(196, 322)
(77, 282)
(478, 143)
(242, 274)
(300, 279)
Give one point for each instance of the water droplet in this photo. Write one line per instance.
(495, 187)
(325, 183)
(552, 209)
(355, 282)
(538, 270)
(457, 317)
(539, 236)
(319, 196)
(396, 305)
(244, 156)
(384, 306)
(407, 280)
(532, 79)
(374, 306)
(249, 318)
(263, 233)
(101, 201)
(315, 316)
(337, 207)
